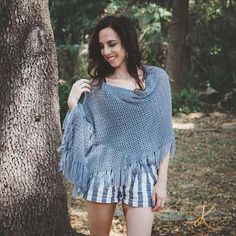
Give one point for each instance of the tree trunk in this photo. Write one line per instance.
(33, 198)
(177, 34)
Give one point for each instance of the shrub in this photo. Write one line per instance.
(187, 101)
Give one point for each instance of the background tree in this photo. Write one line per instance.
(72, 21)
(177, 35)
(210, 56)
(33, 198)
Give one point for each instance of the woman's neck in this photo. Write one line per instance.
(121, 72)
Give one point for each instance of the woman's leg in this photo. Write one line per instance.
(139, 221)
(100, 217)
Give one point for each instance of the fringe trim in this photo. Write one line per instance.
(76, 172)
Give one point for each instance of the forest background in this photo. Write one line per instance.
(33, 199)
(208, 73)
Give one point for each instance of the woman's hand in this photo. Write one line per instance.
(80, 86)
(159, 196)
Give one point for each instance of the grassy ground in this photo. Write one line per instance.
(202, 175)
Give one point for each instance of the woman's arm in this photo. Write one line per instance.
(163, 170)
(159, 195)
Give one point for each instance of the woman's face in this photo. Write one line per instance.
(111, 47)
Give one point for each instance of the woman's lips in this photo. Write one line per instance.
(111, 59)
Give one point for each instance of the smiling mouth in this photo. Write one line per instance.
(111, 59)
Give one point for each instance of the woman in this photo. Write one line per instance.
(117, 141)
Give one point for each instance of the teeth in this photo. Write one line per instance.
(111, 58)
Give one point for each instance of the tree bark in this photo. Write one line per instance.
(177, 34)
(33, 198)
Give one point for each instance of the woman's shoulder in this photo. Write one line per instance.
(155, 68)
(156, 72)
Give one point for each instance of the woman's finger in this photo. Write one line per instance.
(154, 198)
(82, 81)
(156, 204)
(82, 85)
(160, 204)
(156, 208)
(85, 86)
(86, 90)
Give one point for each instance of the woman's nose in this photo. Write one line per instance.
(106, 50)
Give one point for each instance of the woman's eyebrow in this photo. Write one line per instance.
(110, 41)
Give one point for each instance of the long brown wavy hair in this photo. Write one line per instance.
(98, 67)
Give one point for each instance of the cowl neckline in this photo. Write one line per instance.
(135, 93)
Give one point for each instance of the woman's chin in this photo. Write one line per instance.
(115, 65)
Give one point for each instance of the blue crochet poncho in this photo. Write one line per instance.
(115, 132)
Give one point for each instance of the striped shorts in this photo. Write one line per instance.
(137, 193)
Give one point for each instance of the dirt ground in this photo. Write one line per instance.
(201, 178)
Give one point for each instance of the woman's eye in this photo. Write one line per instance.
(112, 44)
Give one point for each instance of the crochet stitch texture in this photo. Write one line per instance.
(115, 132)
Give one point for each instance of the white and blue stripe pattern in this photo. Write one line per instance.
(137, 192)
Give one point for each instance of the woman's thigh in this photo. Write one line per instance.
(100, 217)
(139, 220)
